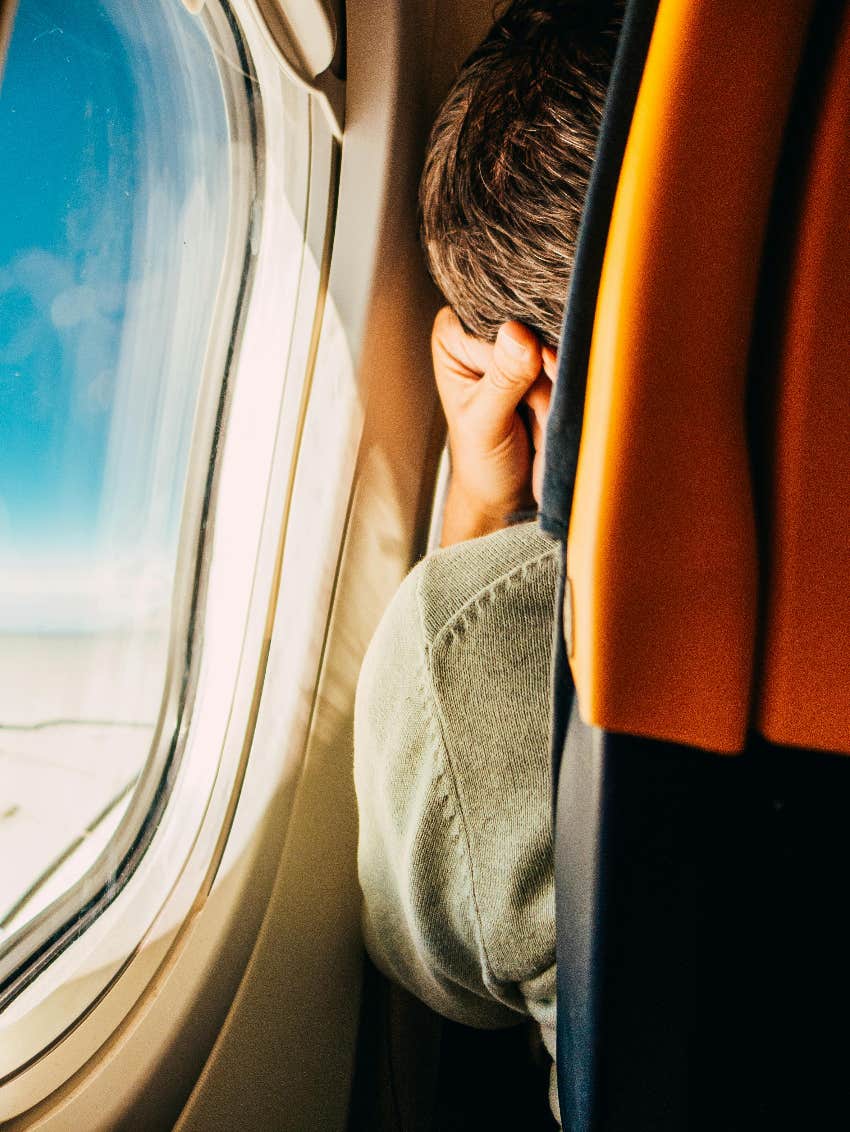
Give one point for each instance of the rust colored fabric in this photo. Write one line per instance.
(661, 549)
(805, 668)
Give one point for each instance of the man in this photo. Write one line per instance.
(452, 718)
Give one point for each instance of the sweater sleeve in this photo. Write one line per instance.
(420, 920)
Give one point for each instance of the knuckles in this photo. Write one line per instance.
(510, 374)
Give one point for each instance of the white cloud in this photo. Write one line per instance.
(98, 392)
(40, 273)
(5, 523)
(74, 305)
(50, 596)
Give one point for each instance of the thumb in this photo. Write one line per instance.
(513, 369)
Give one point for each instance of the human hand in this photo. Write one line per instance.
(482, 387)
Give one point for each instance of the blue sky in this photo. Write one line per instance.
(66, 134)
(114, 189)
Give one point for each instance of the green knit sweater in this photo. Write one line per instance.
(453, 782)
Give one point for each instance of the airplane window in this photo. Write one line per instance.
(115, 190)
(168, 196)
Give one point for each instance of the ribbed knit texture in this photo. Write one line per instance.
(453, 782)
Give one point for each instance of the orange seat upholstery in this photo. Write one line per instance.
(662, 548)
(701, 935)
(804, 669)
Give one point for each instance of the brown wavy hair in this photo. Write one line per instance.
(509, 160)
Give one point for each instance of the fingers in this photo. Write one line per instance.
(514, 367)
(538, 400)
(537, 470)
(515, 364)
(550, 362)
(539, 397)
(481, 386)
(456, 353)
(487, 381)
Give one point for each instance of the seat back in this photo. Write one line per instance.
(705, 601)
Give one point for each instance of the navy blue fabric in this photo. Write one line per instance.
(576, 1039)
(562, 679)
(563, 431)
